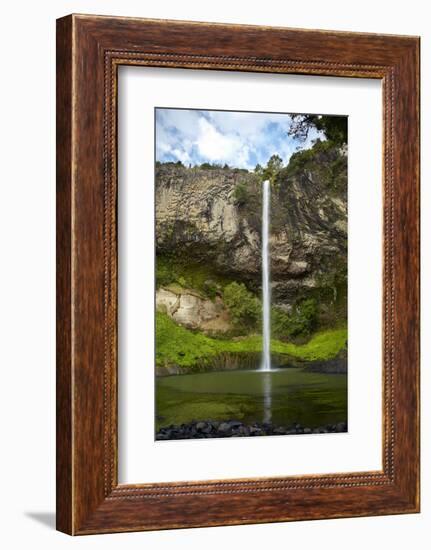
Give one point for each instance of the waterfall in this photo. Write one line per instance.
(266, 294)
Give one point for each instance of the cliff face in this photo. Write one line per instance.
(192, 310)
(214, 216)
(196, 212)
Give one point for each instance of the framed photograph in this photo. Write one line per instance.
(237, 274)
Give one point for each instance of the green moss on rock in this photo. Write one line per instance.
(175, 345)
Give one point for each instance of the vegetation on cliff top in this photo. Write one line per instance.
(333, 127)
(324, 161)
(178, 346)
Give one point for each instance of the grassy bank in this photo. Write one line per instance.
(178, 346)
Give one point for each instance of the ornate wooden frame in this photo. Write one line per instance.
(89, 51)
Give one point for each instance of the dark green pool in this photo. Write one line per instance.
(282, 397)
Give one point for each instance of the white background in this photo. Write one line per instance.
(27, 122)
(141, 458)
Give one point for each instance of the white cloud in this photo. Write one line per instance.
(181, 155)
(240, 139)
(218, 147)
(185, 120)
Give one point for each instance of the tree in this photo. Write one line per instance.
(301, 321)
(273, 167)
(209, 166)
(333, 127)
(243, 306)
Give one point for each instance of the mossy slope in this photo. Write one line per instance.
(178, 346)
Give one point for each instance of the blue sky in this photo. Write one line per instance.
(239, 139)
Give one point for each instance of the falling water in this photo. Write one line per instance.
(266, 295)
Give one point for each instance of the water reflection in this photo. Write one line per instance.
(267, 396)
(282, 397)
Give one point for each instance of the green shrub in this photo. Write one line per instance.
(240, 194)
(182, 281)
(280, 324)
(210, 288)
(244, 307)
(324, 160)
(209, 166)
(165, 274)
(302, 321)
(304, 318)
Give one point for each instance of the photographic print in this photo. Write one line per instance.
(251, 273)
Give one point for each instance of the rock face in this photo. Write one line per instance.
(214, 216)
(196, 213)
(188, 308)
(338, 365)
